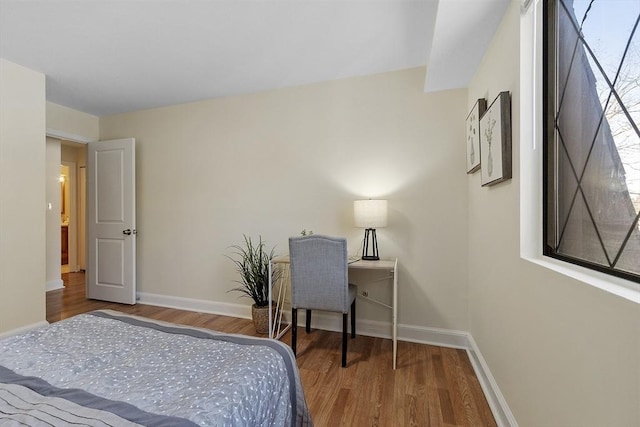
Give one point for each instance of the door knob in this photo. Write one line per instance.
(127, 232)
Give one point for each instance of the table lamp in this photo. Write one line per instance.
(370, 214)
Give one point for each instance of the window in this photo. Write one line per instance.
(591, 134)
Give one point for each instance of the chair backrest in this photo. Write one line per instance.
(319, 273)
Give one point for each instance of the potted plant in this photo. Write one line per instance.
(252, 262)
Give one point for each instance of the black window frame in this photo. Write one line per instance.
(550, 147)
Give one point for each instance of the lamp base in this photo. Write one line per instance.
(374, 245)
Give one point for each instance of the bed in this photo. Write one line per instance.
(106, 368)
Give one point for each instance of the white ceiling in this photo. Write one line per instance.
(106, 57)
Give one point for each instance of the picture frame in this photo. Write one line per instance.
(495, 141)
(473, 135)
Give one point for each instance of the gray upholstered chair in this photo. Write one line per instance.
(319, 281)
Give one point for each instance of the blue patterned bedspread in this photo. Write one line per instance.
(149, 373)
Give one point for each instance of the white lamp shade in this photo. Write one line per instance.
(370, 213)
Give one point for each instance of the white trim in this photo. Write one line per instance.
(53, 285)
(434, 336)
(524, 6)
(333, 322)
(531, 166)
(372, 328)
(498, 404)
(328, 321)
(23, 329)
(60, 134)
(321, 320)
(197, 305)
(614, 285)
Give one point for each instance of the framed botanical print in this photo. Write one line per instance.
(473, 135)
(495, 141)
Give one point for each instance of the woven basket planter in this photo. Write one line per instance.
(260, 317)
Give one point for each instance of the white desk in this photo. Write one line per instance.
(276, 327)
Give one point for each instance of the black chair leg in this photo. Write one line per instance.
(308, 321)
(353, 319)
(344, 340)
(294, 329)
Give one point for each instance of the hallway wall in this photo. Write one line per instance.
(22, 209)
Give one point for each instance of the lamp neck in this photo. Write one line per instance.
(370, 233)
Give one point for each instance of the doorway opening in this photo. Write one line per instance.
(73, 206)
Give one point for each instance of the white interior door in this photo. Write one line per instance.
(111, 221)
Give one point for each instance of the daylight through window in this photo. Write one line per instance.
(592, 137)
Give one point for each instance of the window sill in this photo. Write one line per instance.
(531, 166)
(614, 285)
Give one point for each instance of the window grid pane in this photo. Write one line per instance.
(592, 147)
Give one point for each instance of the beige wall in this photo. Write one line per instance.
(67, 123)
(76, 153)
(277, 162)
(563, 353)
(22, 207)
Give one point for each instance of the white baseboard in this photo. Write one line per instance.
(53, 285)
(373, 328)
(434, 336)
(23, 329)
(498, 404)
(197, 305)
(333, 322)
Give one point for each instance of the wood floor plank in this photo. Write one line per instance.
(339, 405)
(482, 408)
(458, 387)
(433, 386)
(446, 406)
(411, 411)
(435, 411)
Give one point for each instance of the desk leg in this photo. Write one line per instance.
(282, 298)
(276, 331)
(271, 319)
(395, 314)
